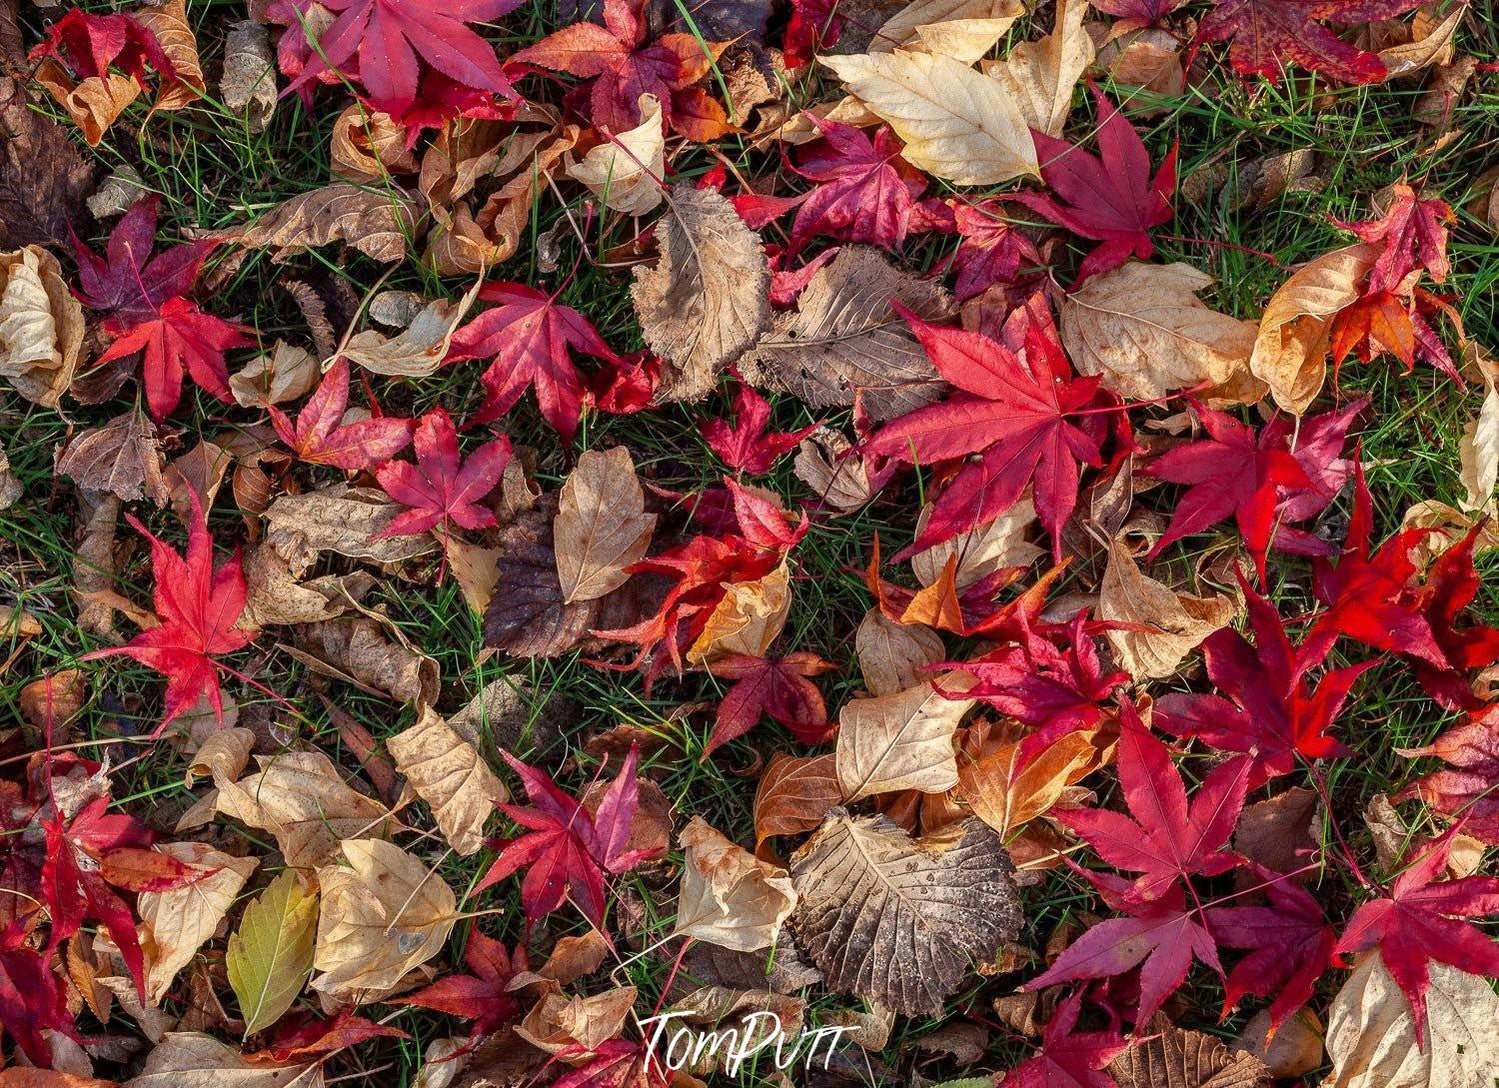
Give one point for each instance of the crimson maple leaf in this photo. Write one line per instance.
(91, 44)
(33, 999)
(143, 297)
(1419, 921)
(304, 1038)
(1018, 407)
(320, 437)
(199, 609)
(1257, 479)
(623, 65)
(565, 849)
(1110, 197)
(778, 687)
(747, 444)
(385, 43)
(1452, 583)
(991, 251)
(529, 337)
(814, 27)
(1068, 1059)
(1168, 838)
(1291, 946)
(1411, 234)
(1138, 12)
(481, 996)
(1160, 936)
(1269, 35)
(440, 489)
(1469, 786)
(1274, 715)
(865, 190)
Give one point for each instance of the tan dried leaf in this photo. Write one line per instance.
(1007, 793)
(1039, 76)
(121, 457)
(275, 597)
(94, 104)
(897, 920)
(561, 1021)
(748, 618)
(369, 146)
(1293, 1050)
(1143, 328)
(168, 21)
(376, 223)
(286, 373)
(899, 742)
(176, 923)
(340, 519)
(957, 124)
(893, 656)
(1174, 623)
(1171, 1057)
(302, 800)
(906, 24)
(187, 1059)
(625, 170)
(370, 653)
(248, 84)
(1479, 448)
(601, 525)
(982, 550)
(729, 897)
(11, 487)
(224, 754)
(844, 341)
(382, 915)
(840, 482)
(419, 349)
(449, 774)
(705, 301)
(1430, 43)
(41, 326)
(1290, 350)
(794, 795)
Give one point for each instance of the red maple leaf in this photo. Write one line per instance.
(565, 850)
(481, 996)
(1411, 234)
(1168, 838)
(529, 337)
(143, 297)
(747, 444)
(1270, 35)
(1068, 1059)
(623, 65)
(1160, 936)
(441, 489)
(1469, 786)
(814, 27)
(33, 999)
(1452, 583)
(778, 687)
(1139, 12)
(1419, 922)
(991, 251)
(303, 1037)
(385, 44)
(1019, 408)
(1257, 479)
(1291, 946)
(1271, 715)
(91, 44)
(865, 190)
(199, 609)
(1110, 197)
(320, 436)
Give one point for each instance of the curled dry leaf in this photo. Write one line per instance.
(845, 342)
(1007, 787)
(225, 753)
(376, 223)
(1290, 350)
(122, 457)
(840, 482)
(348, 521)
(11, 488)
(893, 656)
(1039, 76)
(94, 103)
(176, 923)
(729, 897)
(794, 795)
(898, 920)
(1479, 449)
(601, 526)
(248, 84)
(419, 349)
(449, 774)
(626, 169)
(747, 619)
(286, 373)
(373, 656)
(980, 551)
(168, 22)
(275, 597)
(188, 1059)
(906, 25)
(706, 300)
(1145, 331)
(1430, 43)
(1164, 625)
(302, 800)
(382, 915)
(368, 146)
(957, 124)
(898, 742)
(41, 326)
(1171, 1057)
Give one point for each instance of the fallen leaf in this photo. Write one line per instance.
(287, 373)
(601, 526)
(893, 656)
(1171, 1057)
(1164, 625)
(840, 482)
(626, 169)
(373, 656)
(349, 521)
(1478, 450)
(191, 1060)
(419, 349)
(41, 326)
(794, 794)
(168, 22)
(176, 923)
(1039, 76)
(1010, 786)
(43, 176)
(451, 777)
(247, 86)
(376, 223)
(899, 742)
(269, 958)
(728, 896)
(122, 457)
(981, 551)
(907, 24)
(897, 920)
(704, 302)
(380, 917)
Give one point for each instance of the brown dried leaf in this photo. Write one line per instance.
(373, 656)
(527, 615)
(275, 597)
(448, 774)
(41, 326)
(980, 551)
(794, 795)
(248, 84)
(185, 1059)
(1041, 75)
(844, 341)
(168, 21)
(95, 103)
(1280, 831)
(121, 457)
(286, 373)
(43, 178)
(1007, 793)
(341, 519)
(1174, 1058)
(705, 301)
(840, 482)
(729, 897)
(376, 223)
(897, 920)
(419, 349)
(747, 619)
(898, 742)
(1173, 623)
(893, 656)
(601, 525)
(625, 171)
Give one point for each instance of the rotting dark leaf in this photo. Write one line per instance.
(122, 457)
(527, 616)
(44, 180)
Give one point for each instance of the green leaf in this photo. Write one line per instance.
(270, 956)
